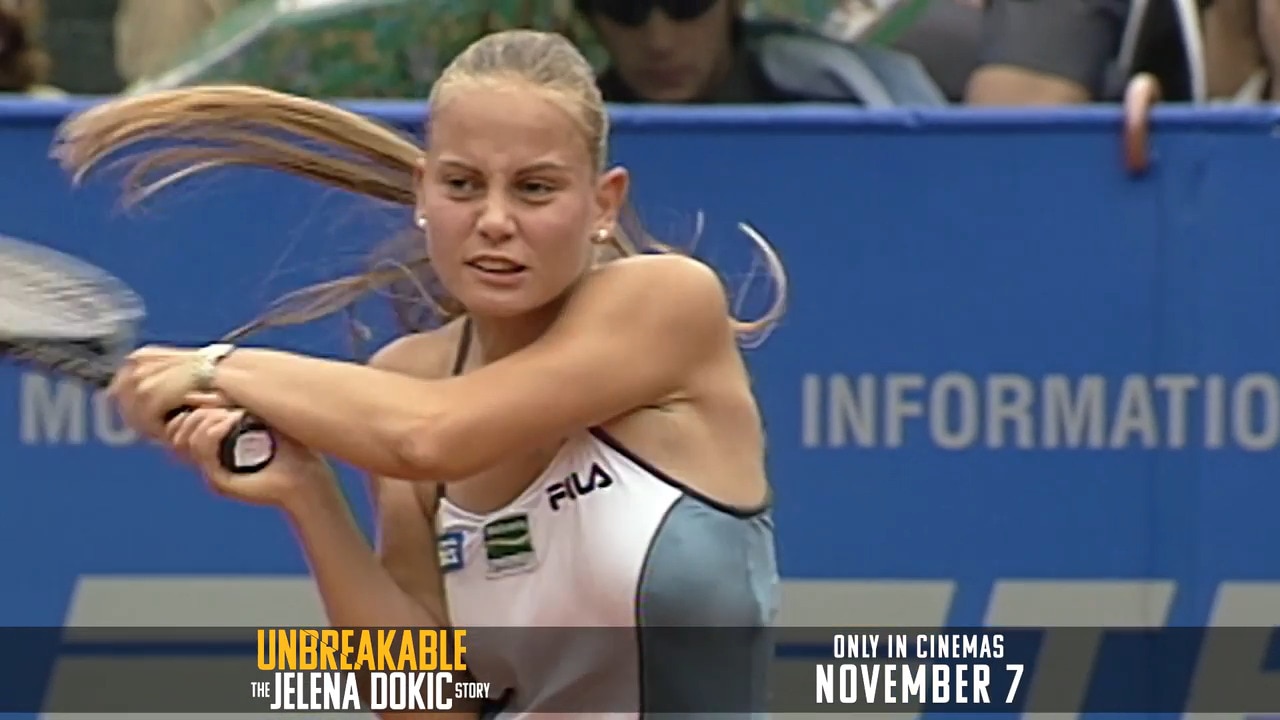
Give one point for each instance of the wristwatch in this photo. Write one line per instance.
(208, 358)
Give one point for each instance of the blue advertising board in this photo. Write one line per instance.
(1015, 386)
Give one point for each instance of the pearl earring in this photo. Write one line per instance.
(601, 237)
(421, 221)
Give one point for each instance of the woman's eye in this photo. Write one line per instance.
(460, 184)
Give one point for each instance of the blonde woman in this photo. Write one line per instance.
(577, 446)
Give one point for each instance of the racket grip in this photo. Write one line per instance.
(247, 449)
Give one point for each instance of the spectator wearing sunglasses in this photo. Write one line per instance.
(705, 51)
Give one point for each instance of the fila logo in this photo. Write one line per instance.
(576, 486)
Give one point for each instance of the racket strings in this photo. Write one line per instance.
(44, 293)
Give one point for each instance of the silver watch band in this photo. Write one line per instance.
(209, 357)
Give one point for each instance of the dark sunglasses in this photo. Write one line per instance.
(636, 12)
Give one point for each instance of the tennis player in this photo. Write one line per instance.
(578, 447)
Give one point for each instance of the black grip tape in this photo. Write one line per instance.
(247, 449)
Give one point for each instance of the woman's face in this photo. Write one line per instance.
(511, 198)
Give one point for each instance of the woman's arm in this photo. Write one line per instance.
(1046, 52)
(1231, 43)
(356, 588)
(398, 582)
(631, 334)
(400, 586)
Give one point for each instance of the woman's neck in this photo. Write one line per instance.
(496, 338)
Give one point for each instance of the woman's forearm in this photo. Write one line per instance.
(355, 588)
(357, 414)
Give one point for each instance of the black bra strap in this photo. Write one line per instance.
(464, 347)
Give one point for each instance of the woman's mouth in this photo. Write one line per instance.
(501, 266)
(495, 268)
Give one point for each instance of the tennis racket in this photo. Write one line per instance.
(63, 315)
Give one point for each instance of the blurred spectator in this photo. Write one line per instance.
(705, 51)
(946, 37)
(77, 35)
(24, 64)
(1268, 19)
(1242, 48)
(677, 52)
(151, 34)
(1056, 52)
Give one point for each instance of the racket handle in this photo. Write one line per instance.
(247, 449)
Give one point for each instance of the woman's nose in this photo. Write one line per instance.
(496, 223)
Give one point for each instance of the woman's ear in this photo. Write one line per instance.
(611, 196)
(419, 180)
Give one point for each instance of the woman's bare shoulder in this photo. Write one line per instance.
(426, 355)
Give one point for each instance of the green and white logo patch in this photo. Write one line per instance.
(508, 545)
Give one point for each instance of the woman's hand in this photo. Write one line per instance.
(152, 382)
(196, 436)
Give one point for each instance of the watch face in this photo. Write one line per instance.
(210, 355)
(216, 351)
